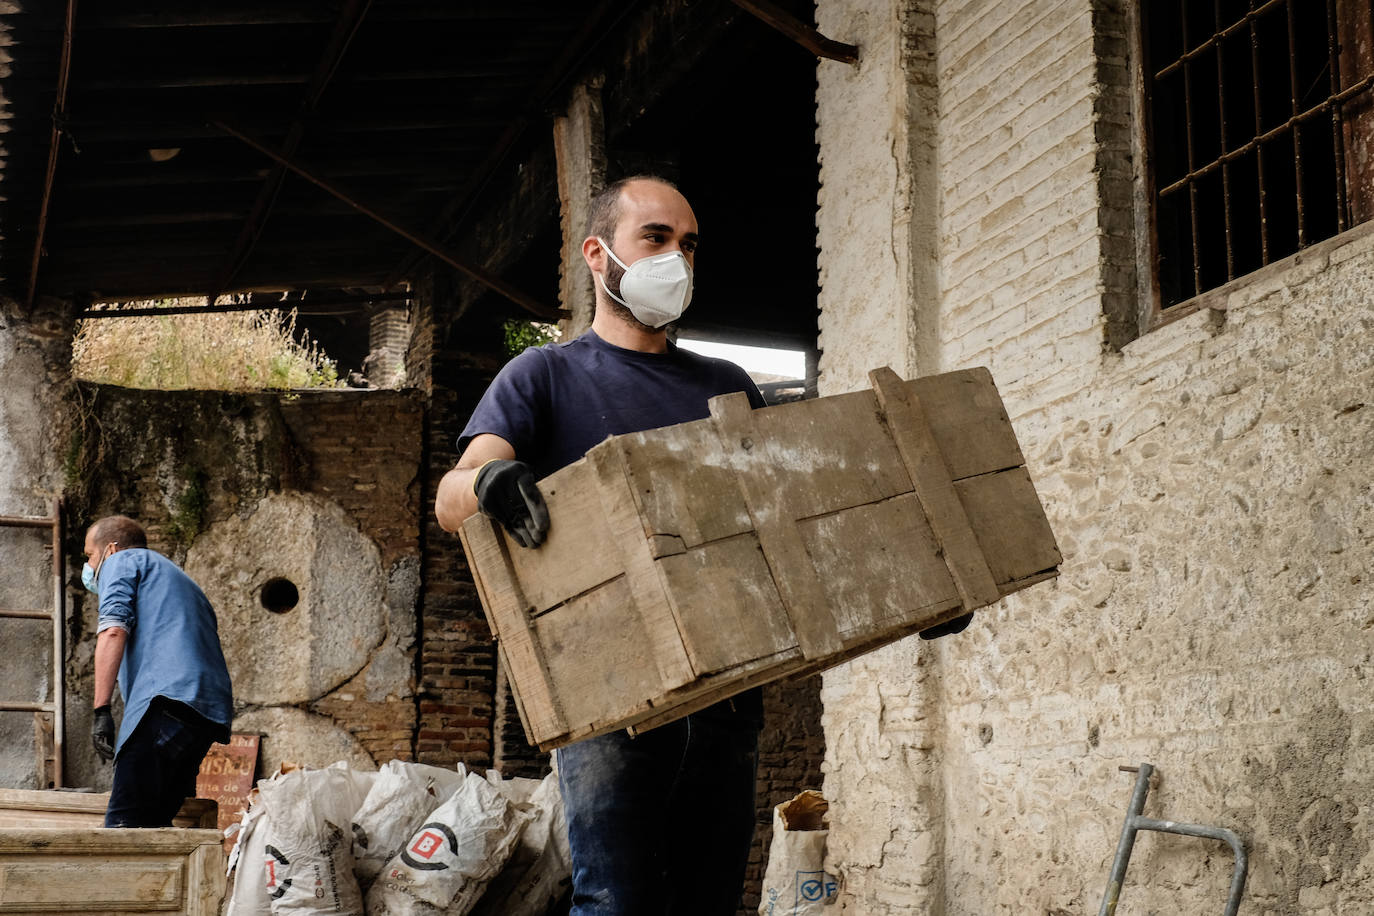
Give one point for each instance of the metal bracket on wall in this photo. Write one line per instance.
(1136, 822)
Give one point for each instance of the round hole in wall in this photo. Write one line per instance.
(279, 595)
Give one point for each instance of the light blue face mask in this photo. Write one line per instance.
(88, 579)
(91, 577)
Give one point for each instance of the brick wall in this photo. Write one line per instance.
(1207, 484)
(183, 462)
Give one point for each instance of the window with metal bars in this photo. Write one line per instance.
(1259, 131)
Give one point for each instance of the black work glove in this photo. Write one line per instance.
(957, 625)
(103, 732)
(506, 491)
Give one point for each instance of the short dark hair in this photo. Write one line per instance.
(605, 208)
(121, 529)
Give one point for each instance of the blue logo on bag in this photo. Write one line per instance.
(814, 886)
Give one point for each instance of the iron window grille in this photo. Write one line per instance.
(1259, 130)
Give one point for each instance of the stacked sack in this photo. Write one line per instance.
(409, 839)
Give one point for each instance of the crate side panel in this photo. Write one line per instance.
(968, 422)
(1010, 524)
(579, 553)
(727, 605)
(599, 656)
(683, 484)
(880, 565)
(829, 453)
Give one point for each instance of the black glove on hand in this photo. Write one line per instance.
(103, 732)
(957, 625)
(506, 491)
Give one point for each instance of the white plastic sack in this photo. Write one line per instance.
(250, 888)
(795, 882)
(540, 868)
(401, 798)
(308, 856)
(447, 862)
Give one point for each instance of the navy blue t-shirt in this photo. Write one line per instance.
(555, 402)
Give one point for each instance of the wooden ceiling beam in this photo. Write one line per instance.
(345, 28)
(54, 146)
(489, 280)
(803, 34)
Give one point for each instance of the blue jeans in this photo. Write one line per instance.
(661, 823)
(157, 766)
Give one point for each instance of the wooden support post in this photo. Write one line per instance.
(579, 144)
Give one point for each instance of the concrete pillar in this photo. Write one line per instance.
(579, 142)
(878, 205)
(35, 358)
(878, 231)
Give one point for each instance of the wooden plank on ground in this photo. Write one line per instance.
(930, 478)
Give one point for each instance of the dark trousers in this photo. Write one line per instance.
(661, 823)
(157, 766)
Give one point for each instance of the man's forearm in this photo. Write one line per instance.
(109, 652)
(454, 501)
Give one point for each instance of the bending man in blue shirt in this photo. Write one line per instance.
(660, 823)
(158, 633)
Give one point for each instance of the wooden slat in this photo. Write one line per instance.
(43, 808)
(968, 422)
(642, 575)
(771, 507)
(563, 565)
(25, 615)
(931, 479)
(728, 605)
(684, 485)
(897, 578)
(598, 655)
(508, 616)
(1009, 523)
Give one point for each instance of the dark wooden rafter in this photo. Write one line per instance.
(59, 113)
(421, 240)
(457, 209)
(345, 27)
(800, 32)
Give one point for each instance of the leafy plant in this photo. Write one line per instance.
(520, 335)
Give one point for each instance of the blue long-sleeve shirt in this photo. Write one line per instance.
(172, 649)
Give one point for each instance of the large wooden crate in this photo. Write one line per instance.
(689, 563)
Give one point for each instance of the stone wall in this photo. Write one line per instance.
(318, 489)
(1207, 483)
(34, 358)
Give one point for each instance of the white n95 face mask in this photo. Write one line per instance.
(656, 289)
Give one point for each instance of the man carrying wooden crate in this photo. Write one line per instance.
(157, 635)
(662, 822)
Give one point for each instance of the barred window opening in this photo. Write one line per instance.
(1260, 132)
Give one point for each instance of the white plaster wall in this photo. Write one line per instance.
(1209, 488)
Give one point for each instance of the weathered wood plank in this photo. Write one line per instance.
(728, 606)
(1009, 523)
(563, 565)
(968, 422)
(46, 808)
(684, 484)
(898, 572)
(772, 508)
(508, 615)
(597, 651)
(930, 477)
(646, 589)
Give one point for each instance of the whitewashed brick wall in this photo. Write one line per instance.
(1209, 486)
